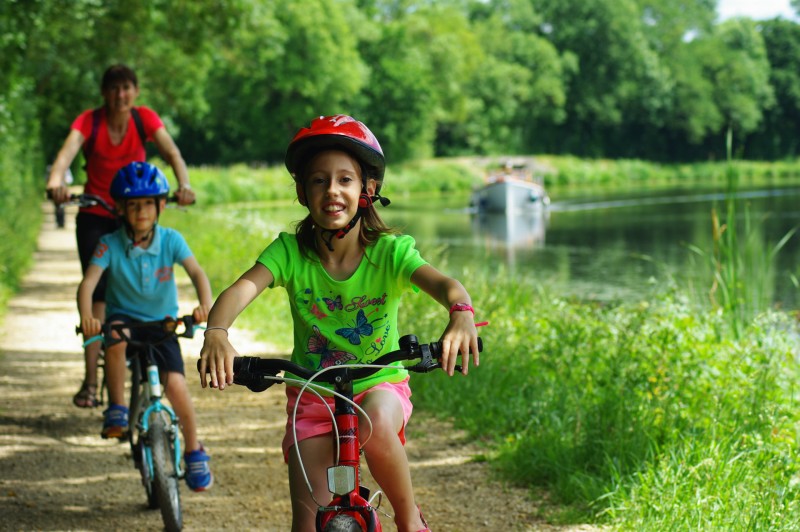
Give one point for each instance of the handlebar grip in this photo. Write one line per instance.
(243, 376)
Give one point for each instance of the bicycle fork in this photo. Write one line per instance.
(344, 478)
(155, 405)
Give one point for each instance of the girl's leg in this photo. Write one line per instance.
(387, 458)
(317, 455)
(178, 394)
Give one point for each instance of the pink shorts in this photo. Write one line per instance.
(313, 418)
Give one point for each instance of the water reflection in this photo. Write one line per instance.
(512, 236)
(512, 230)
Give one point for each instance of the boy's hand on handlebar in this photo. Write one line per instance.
(460, 337)
(216, 359)
(90, 327)
(200, 313)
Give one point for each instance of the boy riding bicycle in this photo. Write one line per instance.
(139, 258)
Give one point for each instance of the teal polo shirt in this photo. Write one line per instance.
(141, 282)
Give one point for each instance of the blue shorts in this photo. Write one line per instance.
(167, 354)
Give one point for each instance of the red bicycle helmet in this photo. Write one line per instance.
(337, 132)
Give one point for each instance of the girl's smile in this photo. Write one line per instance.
(332, 189)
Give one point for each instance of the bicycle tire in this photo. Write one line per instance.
(134, 408)
(165, 475)
(343, 523)
(135, 439)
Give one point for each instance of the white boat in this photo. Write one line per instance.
(512, 190)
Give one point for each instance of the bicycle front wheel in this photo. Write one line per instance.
(165, 474)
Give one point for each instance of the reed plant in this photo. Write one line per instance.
(742, 261)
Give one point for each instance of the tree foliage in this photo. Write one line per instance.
(234, 79)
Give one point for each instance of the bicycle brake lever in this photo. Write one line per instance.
(188, 326)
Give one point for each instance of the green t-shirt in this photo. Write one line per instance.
(345, 322)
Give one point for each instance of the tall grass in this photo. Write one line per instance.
(742, 263)
(646, 416)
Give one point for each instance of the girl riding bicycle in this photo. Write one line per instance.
(345, 272)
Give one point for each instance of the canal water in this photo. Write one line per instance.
(603, 245)
(618, 246)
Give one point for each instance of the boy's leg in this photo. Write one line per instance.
(317, 453)
(116, 371)
(387, 458)
(178, 394)
(115, 424)
(198, 472)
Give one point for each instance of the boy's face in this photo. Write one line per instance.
(331, 189)
(141, 213)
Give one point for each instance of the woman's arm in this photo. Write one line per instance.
(170, 152)
(56, 183)
(217, 353)
(460, 336)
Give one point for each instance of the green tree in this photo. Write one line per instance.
(518, 83)
(620, 78)
(283, 64)
(420, 62)
(735, 60)
(778, 135)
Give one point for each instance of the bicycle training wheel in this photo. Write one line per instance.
(165, 474)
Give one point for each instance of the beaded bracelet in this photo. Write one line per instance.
(217, 328)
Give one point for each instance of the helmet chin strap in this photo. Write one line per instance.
(365, 201)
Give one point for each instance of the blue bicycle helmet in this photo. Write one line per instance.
(139, 180)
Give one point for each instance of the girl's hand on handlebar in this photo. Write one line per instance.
(460, 337)
(90, 327)
(216, 359)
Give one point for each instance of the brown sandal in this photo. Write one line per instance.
(86, 396)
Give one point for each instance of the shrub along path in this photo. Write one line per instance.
(56, 473)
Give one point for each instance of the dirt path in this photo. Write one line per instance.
(56, 473)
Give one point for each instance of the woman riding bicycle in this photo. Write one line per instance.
(345, 272)
(111, 137)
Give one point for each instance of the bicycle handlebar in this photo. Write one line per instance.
(168, 325)
(258, 374)
(91, 200)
